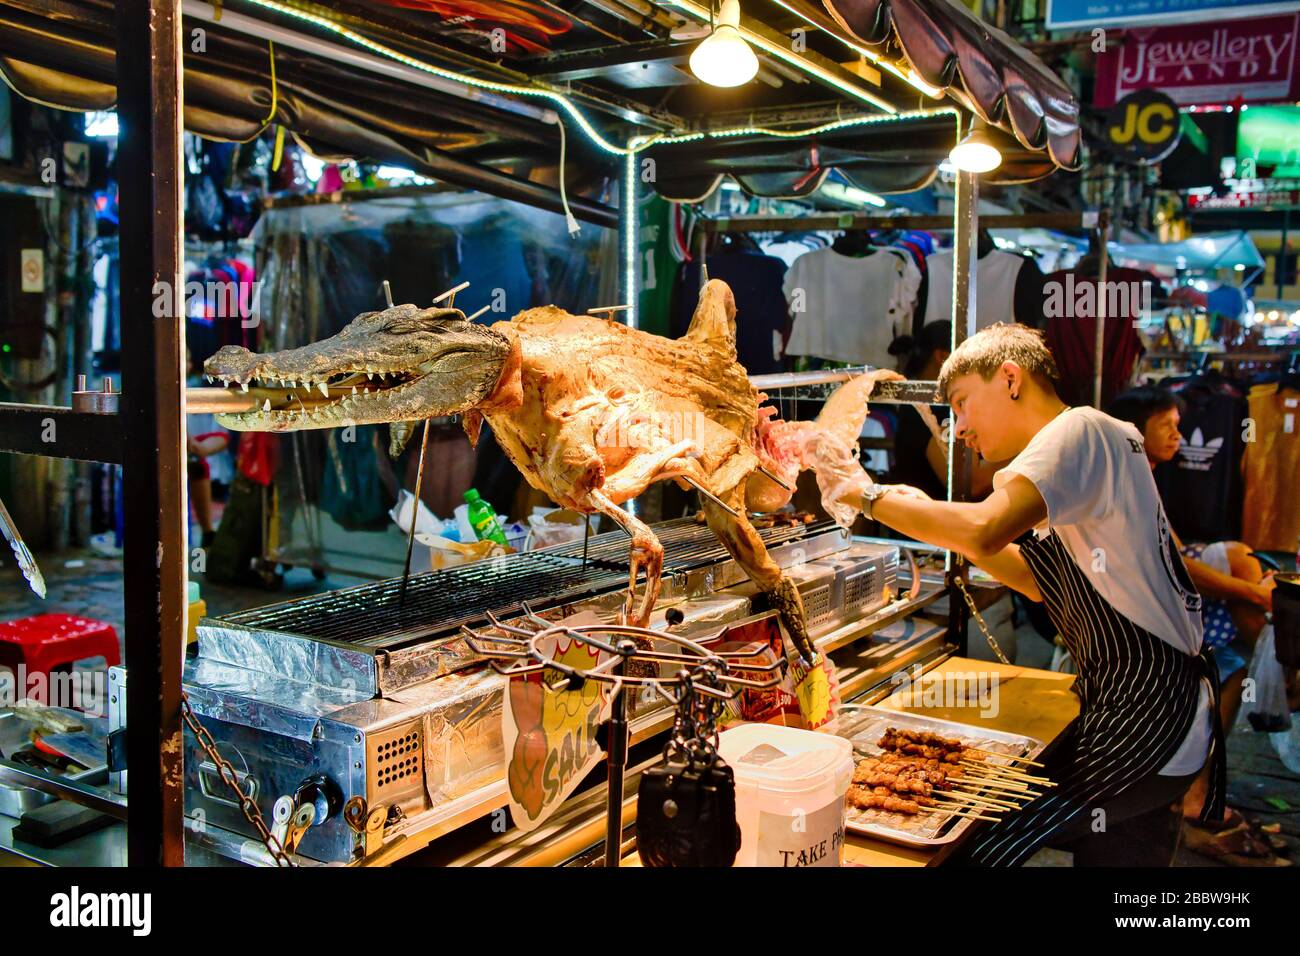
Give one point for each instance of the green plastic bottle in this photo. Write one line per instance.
(483, 519)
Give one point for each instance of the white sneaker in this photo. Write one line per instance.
(105, 545)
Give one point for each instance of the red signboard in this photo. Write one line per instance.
(1203, 63)
(1280, 199)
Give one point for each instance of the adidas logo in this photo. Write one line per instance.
(1196, 454)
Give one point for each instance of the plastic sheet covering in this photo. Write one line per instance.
(1216, 250)
(322, 265)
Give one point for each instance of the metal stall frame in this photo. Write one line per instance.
(146, 438)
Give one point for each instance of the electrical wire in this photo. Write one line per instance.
(569, 218)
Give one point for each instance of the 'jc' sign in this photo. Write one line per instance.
(1144, 126)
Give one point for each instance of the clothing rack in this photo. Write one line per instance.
(1203, 358)
(904, 391)
(1098, 222)
(817, 222)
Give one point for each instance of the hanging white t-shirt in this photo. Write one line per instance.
(850, 308)
(1102, 502)
(995, 287)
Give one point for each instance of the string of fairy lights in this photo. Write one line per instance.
(639, 143)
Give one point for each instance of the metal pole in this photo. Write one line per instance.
(1281, 252)
(616, 763)
(965, 241)
(152, 419)
(415, 505)
(1099, 340)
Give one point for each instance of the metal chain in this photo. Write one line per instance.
(694, 736)
(247, 805)
(988, 636)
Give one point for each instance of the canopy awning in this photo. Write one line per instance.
(429, 102)
(1219, 250)
(977, 64)
(889, 157)
(65, 58)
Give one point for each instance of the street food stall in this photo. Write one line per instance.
(390, 721)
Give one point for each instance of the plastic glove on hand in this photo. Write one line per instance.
(841, 480)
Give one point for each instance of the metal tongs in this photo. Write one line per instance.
(25, 560)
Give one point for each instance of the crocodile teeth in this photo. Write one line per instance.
(370, 375)
(243, 386)
(266, 405)
(354, 389)
(324, 389)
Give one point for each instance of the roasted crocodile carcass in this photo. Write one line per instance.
(591, 411)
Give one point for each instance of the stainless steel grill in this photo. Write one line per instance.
(688, 544)
(381, 694)
(436, 602)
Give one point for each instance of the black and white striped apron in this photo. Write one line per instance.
(1138, 697)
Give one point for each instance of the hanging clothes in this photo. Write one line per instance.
(1227, 301)
(655, 262)
(756, 281)
(1072, 337)
(789, 246)
(850, 308)
(351, 488)
(1202, 485)
(1008, 288)
(1270, 515)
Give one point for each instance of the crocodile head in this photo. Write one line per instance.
(399, 365)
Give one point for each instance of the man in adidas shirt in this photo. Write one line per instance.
(1075, 521)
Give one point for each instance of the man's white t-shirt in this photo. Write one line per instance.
(1102, 502)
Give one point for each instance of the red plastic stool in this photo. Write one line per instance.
(50, 642)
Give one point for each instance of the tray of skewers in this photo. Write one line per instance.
(922, 781)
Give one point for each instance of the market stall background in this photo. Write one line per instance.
(343, 82)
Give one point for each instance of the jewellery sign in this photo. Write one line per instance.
(1203, 63)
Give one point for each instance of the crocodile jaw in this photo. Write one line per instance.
(402, 364)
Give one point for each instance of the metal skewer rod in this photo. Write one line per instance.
(780, 481)
(606, 311)
(471, 318)
(415, 513)
(711, 496)
(450, 292)
(388, 293)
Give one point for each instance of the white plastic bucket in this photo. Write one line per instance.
(790, 788)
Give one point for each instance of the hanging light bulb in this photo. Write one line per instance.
(976, 152)
(723, 58)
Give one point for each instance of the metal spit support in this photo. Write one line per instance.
(523, 657)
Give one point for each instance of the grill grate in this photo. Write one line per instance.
(438, 602)
(687, 543)
(374, 615)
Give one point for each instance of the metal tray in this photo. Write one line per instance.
(862, 725)
(15, 801)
